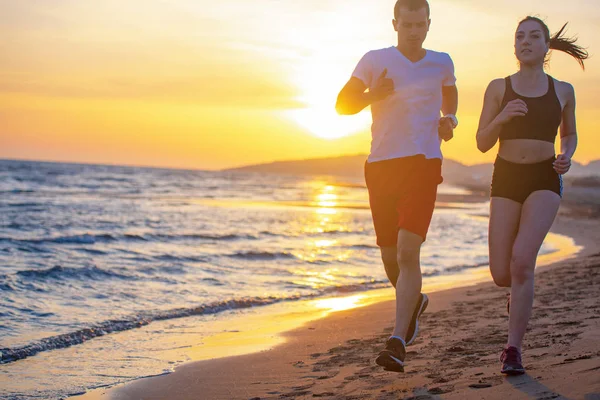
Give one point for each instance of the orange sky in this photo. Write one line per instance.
(209, 85)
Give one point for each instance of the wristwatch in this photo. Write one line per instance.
(453, 119)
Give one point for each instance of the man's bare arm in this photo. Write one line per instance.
(353, 98)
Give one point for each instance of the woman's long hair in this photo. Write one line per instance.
(560, 42)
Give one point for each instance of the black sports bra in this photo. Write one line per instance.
(543, 118)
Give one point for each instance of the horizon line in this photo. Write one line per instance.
(108, 164)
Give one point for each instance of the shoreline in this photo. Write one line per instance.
(581, 246)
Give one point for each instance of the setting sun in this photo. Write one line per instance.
(321, 122)
(319, 81)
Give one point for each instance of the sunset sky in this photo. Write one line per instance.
(209, 85)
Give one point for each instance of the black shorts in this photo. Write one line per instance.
(517, 181)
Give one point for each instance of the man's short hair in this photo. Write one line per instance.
(412, 5)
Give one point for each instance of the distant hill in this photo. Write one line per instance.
(352, 166)
(593, 168)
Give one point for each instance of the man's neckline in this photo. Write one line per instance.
(426, 52)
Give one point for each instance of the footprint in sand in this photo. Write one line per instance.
(325, 394)
(480, 385)
(441, 389)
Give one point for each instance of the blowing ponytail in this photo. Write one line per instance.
(567, 45)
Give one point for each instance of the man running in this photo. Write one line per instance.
(406, 86)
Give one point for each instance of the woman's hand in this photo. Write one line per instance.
(562, 164)
(514, 108)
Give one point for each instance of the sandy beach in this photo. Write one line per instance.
(455, 356)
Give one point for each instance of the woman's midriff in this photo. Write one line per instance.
(526, 151)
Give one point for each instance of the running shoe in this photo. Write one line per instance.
(511, 361)
(413, 328)
(392, 357)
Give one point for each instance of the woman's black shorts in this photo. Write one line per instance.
(517, 181)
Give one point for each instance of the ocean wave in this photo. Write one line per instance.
(35, 279)
(451, 270)
(32, 249)
(73, 239)
(363, 247)
(357, 287)
(112, 179)
(112, 326)
(332, 232)
(18, 191)
(135, 238)
(189, 236)
(83, 239)
(23, 204)
(269, 233)
(13, 225)
(60, 272)
(6, 286)
(92, 252)
(261, 255)
(170, 257)
(341, 289)
(90, 239)
(459, 268)
(213, 281)
(65, 340)
(205, 236)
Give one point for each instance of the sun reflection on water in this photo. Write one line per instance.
(341, 303)
(327, 220)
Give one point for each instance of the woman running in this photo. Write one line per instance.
(524, 112)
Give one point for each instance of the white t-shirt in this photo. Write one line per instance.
(406, 122)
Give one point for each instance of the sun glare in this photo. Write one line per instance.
(319, 81)
(340, 303)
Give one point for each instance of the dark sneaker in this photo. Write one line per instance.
(413, 328)
(511, 361)
(392, 357)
